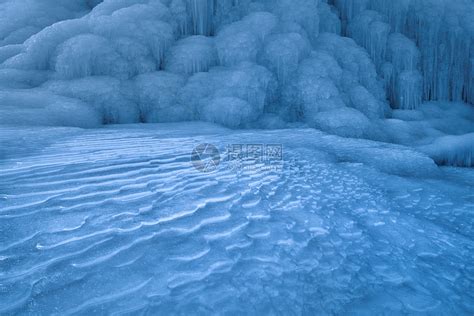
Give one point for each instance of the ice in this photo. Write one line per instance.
(148, 24)
(351, 222)
(190, 55)
(357, 65)
(301, 12)
(40, 108)
(236, 43)
(158, 95)
(406, 82)
(283, 52)
(443, 130)
(248, 82)
(32, 16)
(442, 31)
(452, 150)
(328, 19)
(369, 30)
(201, 14)
(107, 95)
(8, 51)
(283, 62)
(344, 132)
(349, 9)
(343, 122)
(229, 111)
(408, 90)
(38, 49)
(76, 59)
(21, 79)
(365, 102)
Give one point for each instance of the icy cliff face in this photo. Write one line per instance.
(239, 63)
(437, 44)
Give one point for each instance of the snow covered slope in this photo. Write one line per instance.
(118, 220)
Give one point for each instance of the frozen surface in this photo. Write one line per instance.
(117, 220)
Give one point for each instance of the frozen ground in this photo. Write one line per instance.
(117, 220)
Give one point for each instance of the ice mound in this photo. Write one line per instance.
(75, 59)
(31, 16)
(36, 107)
(443, 130)
(247, 82)
(229, 111)
(157, 95)
(283, 53)
(452, 150)
(250, 51)
(191, 55)
(111, 98)
(343, 122)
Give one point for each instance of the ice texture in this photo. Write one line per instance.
(117, 220)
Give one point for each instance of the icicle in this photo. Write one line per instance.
(201, 13)
(350, 9)
(408, 90)
(369, 30)
(406, 81)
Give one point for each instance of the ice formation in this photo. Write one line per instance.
(176, 60)
(363, 100)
